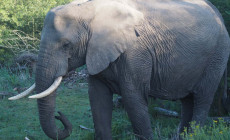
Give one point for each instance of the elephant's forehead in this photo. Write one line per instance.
(116, 14)
(63, 24)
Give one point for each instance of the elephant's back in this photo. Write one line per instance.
(181, 14)
(193, 25)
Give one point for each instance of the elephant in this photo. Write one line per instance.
(168, 49)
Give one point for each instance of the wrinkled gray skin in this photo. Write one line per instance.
(169, 49)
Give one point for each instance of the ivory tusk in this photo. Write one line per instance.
(23, 94)
(50, 90)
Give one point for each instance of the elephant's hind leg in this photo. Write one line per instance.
(186, 112)
(203, 97)
(101, 105)
(205, 89)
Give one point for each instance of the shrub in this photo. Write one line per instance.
(224, 7)
(26, 15)
(218, 130)
(21, 22)
(14, 42)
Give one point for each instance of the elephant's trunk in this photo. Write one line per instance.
(45, 75)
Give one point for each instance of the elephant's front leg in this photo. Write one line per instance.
(136, 105)
(101, 106)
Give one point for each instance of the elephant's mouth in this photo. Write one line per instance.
(45, 93)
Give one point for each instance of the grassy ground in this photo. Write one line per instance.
(19, 119)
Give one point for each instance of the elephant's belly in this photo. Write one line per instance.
(167, 95)
(171, 88)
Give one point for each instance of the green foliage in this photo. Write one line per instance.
(21, 22)
(4, 55)
(224, 7)
(8, 80)
(26, 15)
(218, 130)
(26, 18)
(14, 42)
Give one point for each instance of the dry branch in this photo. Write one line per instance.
(83, 127)
(173, 114)
(166, 112)
(18, 42)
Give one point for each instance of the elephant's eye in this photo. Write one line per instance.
(66, 45)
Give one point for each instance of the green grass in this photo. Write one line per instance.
(217, 130)
(19, 119)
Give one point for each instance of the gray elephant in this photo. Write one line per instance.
(169, 49)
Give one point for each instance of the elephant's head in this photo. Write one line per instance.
(73, 36)
(63, 46)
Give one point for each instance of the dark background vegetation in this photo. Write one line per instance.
(21, 22)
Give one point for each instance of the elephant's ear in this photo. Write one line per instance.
(112, 34)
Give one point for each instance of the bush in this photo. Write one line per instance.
(218, 130)
(224, 7)
(21, 22)
(26, 15)
(15, 42)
